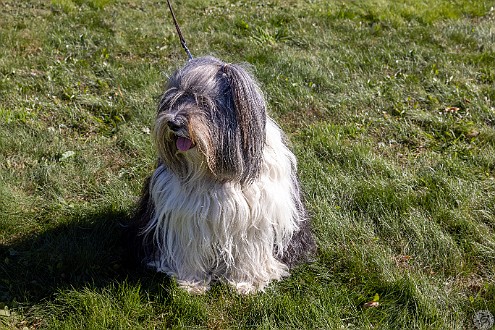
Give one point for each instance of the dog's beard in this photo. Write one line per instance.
(183, 152)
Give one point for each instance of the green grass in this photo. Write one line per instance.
(390, 109)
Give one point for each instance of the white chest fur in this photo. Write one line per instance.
(206, 230)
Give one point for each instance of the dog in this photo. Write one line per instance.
(224, 203)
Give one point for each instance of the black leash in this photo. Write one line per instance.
(182, 41)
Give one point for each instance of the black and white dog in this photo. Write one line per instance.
(224, 202)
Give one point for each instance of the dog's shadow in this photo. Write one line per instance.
(87, 250)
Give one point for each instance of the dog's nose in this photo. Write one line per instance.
(174, 125)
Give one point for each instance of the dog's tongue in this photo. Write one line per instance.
(183, 144)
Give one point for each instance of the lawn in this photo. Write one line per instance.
(390, 110)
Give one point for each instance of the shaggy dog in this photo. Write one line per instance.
(224, 201)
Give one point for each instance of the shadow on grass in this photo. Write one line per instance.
(91, 250)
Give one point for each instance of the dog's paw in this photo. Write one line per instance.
(246, 288)
(195, 288)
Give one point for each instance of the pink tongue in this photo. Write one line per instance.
(183, 144)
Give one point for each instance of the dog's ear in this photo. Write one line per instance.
(250, 108)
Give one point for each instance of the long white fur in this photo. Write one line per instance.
(206, 230)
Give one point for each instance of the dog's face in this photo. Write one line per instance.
(212, 118)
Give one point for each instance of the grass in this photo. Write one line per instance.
(390, 109)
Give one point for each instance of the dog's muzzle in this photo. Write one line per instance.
(182, 141)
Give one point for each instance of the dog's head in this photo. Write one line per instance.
(212, 118)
